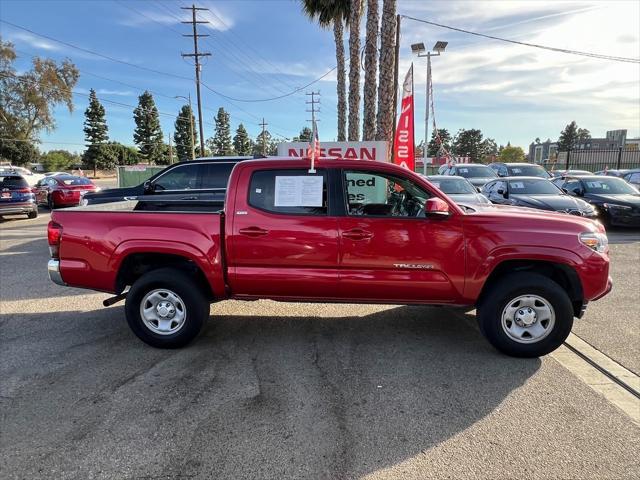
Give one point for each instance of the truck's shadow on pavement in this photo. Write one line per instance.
(253, 397)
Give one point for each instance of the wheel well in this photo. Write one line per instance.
(137, 264)
(563, 275)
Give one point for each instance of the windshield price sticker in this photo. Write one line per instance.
(516, 170)
(517, 185)
(436, 184)
(298, 191)
(464, 170)
(594, 184)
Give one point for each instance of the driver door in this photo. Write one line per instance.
(389, 250)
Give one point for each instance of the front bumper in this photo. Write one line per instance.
(631, 219)
(53, 267)
(608, 289)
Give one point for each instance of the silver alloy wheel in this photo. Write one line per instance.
(163, 311)
(528, 319)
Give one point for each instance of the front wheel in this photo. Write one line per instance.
(166, 309)
(526, 315)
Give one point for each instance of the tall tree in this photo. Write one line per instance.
(434, 148)
(148, 134)
(184, 135)
(572, 136)
(305, 135)
(511, 154)
(265, 144)
(386, 95)
(334, 13)
(27, 101)
(468, 143)
(370, 71)
(242, 144)
(355, 15)
(221, 143)
(488, 150)
(95, 131)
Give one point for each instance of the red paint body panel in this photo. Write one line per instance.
(316, 258)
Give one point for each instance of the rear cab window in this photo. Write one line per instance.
(294, 192)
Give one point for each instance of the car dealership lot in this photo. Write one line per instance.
(275, 390)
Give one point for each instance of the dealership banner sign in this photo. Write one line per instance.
(403, 146)
(347, 150)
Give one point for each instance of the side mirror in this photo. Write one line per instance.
(565, 190)
(577, 191)
(479, 189)
(436, 207)
(148, 186)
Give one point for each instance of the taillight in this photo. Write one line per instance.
(54, 235)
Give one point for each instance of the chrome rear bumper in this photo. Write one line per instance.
(53, 267)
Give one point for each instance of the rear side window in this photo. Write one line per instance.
(13, 182)
(289, 191)
(216, 175)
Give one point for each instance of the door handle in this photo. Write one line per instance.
(357, 234)
(253, 232)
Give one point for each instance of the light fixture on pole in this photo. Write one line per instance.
(193, 155)
(420, 50)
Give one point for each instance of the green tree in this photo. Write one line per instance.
(184, 134)
(148, 134)
(59, 160)
(511, 154)
(305, 135)
(334, 13)
(242, 144)
(265, 144)
(221, 143)
(95, 131)
(433, 150)
(571, 136)
(28, 100)
(468, 143)
(489, 150)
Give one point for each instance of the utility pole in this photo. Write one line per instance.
(196, 55)
(264, 140)
(313, 102)
(314, 127)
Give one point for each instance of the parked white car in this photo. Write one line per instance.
(28, 175)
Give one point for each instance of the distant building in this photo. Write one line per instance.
(632, 144)
(540, 152)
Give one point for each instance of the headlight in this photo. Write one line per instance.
(616, 208)
(597, 242)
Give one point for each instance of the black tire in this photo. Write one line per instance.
(33, 214)
(192, 301)
(508, 289)
(50, 204)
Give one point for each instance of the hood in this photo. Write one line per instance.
(468, 198)
(116, 192)
(540, 217)
(621, 199)
(551, 202)
(480, 181)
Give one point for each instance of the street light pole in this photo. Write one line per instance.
(193, 147)
(420, 51)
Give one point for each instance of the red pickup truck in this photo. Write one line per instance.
(352, 231)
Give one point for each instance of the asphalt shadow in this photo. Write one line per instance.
(252, 397)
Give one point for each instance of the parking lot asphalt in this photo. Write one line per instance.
(279, 390)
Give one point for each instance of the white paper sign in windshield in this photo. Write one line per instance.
(298, 191)
(517, 185)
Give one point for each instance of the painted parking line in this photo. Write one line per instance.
(617, 384)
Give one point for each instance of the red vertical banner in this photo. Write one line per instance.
(403, 144)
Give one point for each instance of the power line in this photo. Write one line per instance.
(544, 47)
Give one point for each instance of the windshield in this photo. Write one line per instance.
(528, 171)
(475, 171)
(453, 186)
(74, 180)
(533, 187)
(608, 185)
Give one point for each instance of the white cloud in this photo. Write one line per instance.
(162, 14)
(106, 91)
(34, 41)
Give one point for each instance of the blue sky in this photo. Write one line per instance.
(267, 48)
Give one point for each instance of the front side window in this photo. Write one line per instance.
(289, 191)
(381, 194)
(183, 177)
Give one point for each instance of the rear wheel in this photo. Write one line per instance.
(33, 213)
(50, 203)
(166, 309)
(526, 315)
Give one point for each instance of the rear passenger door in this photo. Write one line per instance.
(280, 246)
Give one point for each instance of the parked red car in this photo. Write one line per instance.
(63, 190)
(353, 231)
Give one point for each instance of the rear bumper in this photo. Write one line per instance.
(18, 208)
(53, 267)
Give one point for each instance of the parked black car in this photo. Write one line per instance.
(569, 173)
(519, 170)
(613, 172)
(476, 173)
(617, 201)
(632, 177)
(535, 192)
(199, 179)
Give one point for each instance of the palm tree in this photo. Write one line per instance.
(354, 69)
(386, 95)
(334, 13)
(370, 71)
